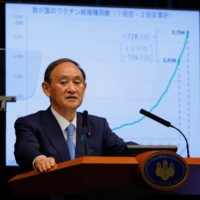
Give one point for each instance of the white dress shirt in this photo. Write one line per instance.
(64, 124)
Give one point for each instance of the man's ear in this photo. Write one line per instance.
(85, 85)
(46, 88)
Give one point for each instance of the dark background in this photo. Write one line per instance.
(8, 172)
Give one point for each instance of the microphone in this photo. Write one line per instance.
(166, 123)
(85, 117)
(154, 117)
(84, 124)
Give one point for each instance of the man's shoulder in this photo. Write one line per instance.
(93, 120)
(32, 116)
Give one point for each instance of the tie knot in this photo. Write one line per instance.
(70, 130)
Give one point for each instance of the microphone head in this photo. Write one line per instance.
(154, 117)
(85, 117)
(142, 111)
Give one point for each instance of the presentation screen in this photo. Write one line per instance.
(134, 59)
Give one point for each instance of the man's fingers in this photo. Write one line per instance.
(52, 161)
(43, 164)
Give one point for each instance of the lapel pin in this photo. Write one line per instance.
(88, 133)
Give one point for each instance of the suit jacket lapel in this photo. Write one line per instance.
(54, 133)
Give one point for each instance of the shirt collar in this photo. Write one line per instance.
(62, 121)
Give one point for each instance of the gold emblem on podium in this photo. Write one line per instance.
(165, 171)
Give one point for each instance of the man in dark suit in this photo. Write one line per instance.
(41, 137)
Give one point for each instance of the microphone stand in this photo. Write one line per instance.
(187, 145)
(84, 140)
(166, 123)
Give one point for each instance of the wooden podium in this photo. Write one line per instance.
(94, 175)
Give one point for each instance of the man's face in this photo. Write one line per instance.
(67, 87)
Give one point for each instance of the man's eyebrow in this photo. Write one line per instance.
(79, 77)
